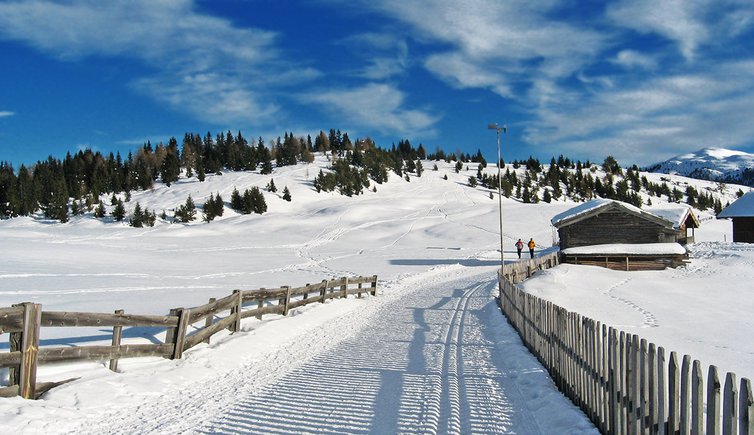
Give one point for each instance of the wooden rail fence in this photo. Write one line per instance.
(624, 384)
(186, 327)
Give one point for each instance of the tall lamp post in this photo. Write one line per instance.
(499, 129)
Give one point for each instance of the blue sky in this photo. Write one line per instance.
(642, 80)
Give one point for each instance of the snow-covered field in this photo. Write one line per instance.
(429, 240)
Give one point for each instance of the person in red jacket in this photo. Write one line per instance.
(519, 247)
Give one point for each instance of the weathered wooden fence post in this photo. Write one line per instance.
(26, 342)
(261, 304)
(323, 292)
(235, 311)
(374, 285)
(344, 287)
(713, 402)
(208, 321)
(730, 405)
(287, 300)
(697, 399)
(177, 336)
(117, 333)
(674, 383)
(685, 394)
(746, 408)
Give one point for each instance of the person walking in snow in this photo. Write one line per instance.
(519, 247)
(531, 245)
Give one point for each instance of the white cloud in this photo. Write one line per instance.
(377, 106)
(187, 49)
(6, 113)
(495, 45)
(632, 59)
(386, 54)
(656, 116)
(692, 25)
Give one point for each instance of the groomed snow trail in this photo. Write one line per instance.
(435, 356)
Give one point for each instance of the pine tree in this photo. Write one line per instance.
(187, 212)
(100, 212)
(137, 220)
(286, 194)
(236, 201)
(472, 181)
(419, 168)
(271, 186)
(119, 212)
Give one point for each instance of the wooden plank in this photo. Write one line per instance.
(323, 291)
(642, 406)
(685, 395)
(10, 359)
(11, 319)
(344, 287)
(27, 375)
(674, 395)
(102, 353)
(213, 307)
(258, 312)
(260, 307)
(286, 300)
(613, 375)
(635, 380)
(302, 302)
(697, 399)
(662, 397)
(374, 285)
(180, 332)
(208, 320)
(263, 294)
(745, 408)
(652, 389)
(80, 319)
(235, 311)
(713, 401)
(205, 333)
(730, 405)
(117, 333)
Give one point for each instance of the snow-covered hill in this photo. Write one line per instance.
(717, 164)
(435, 234)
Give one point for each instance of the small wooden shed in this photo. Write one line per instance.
(742, 214)
(618, 235)
(683, 218)
(606, 221)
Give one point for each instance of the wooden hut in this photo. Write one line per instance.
(742, 214)
(683, 218)
(618, 235)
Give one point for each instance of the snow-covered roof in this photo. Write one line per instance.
(742, 207)
(590, 206)
(580, 209)
(676, 213)
(628, 249)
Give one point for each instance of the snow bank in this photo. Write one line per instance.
(628, 249)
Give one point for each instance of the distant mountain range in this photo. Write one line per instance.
(717, 164)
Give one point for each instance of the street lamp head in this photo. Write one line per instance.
(493, 126)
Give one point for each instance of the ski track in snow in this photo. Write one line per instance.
(430, 356)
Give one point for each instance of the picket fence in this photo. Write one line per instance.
(623, 384)
(186, 327)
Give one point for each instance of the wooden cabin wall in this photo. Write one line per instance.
(743, 229)
(614, 226)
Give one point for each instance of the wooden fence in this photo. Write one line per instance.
(186, 327)
(623, 384)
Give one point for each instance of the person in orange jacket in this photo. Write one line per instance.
(531, 245)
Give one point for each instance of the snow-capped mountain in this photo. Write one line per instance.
(717, 164)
